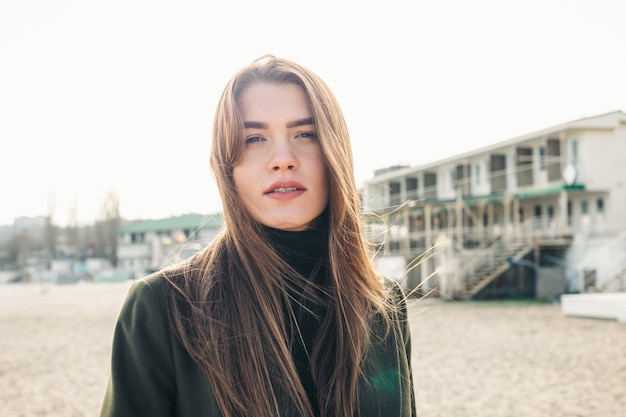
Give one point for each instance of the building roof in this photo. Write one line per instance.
(603, 121)
(190, 221)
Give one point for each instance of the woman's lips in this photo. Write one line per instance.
(285, 190)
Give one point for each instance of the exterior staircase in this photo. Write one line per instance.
(486, 263)
(468, 269)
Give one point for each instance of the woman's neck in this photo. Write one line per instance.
(302, 250)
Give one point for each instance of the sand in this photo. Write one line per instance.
(469, 359)
(516, 359)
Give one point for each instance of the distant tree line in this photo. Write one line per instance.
(72, 241)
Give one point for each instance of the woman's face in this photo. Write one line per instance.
(281, 177)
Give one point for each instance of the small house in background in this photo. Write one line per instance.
(145, 245)
(539, 215)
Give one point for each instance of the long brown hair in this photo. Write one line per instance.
(227, 303)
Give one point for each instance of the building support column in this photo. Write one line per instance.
(490, 219)
(428, 230)
(563, 215)
(459, 217)
(405, 232)
(480, 227)
(516, 220)
(425, 266)
(507, 218)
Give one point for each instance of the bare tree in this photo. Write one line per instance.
(108, 226)
(50, 232)
(73, 231)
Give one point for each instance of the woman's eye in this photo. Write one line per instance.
(311, 135)
(253, 139)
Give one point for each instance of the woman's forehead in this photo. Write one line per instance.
(271, 101)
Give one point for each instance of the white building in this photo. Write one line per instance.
(146, 245)
(536, 215)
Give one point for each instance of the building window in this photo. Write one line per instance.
(537, 210)
(394, 193)
(542, 158)
(584, 207)
(550, 211)
(600, 205)
(411, 188)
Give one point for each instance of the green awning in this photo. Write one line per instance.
(548, 191)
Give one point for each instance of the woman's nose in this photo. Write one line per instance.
(283, 158)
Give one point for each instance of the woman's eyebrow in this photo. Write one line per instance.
(255, 125)
(301, 122)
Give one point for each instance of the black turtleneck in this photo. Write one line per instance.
(307, 253)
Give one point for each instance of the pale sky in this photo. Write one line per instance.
(100, 96)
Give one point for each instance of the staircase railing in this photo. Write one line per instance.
(495, 254)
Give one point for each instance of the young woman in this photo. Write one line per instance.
(282, 315)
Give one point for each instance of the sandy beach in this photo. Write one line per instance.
(469, 359)
(512, 359)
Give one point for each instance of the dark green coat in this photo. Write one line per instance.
(152, 374)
